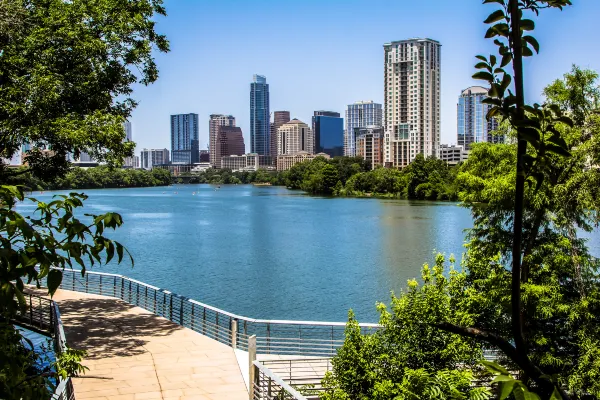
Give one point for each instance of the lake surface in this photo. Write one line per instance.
(268, 252)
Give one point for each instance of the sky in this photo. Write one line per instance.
(325, 54)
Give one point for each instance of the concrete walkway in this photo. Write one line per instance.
(134, 354)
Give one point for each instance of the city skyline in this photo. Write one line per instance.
(323, 83)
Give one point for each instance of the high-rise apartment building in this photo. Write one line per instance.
(128, 131)
(216, 120)
(369, 144)
(293, 137)
(279, 118)
(360, 115)
(185, 144)
(260, 118)
(328, 129)
(412, 99)
(473, 127)
(152, 157)
(230, 141)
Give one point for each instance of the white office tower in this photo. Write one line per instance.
(411, 116)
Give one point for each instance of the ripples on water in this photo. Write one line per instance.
(267, 252)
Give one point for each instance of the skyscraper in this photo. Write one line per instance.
(473, 127)
(412, 99)
(230, 141)
(360, 115)
(128, 132)
(293, 137)
(185, 145)
(216, 120)
(328, 129)
(279, 118)
(260, 131)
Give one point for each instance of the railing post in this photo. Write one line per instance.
(122, 288)
(146, 298)
(217, 326)
(268, 338)
(234, 332)
(114, 286)
(137, 294)
(129, 291)
(100, 284)
(86, 283)
(181, 320)
(171, 307)
(192, 317)
(251, 371)
(73, 281)
(30, 310)
(204, 321)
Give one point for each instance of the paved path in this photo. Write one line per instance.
(134, 354)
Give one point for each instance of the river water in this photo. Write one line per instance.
(268, 252)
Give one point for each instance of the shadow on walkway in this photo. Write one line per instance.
(107, 327)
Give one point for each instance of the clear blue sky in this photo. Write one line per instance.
(323, 55)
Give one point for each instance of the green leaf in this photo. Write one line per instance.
(527, 25)
(119, 251)
(527, 51)
(482, 58)
(494, 367)
(561, 151)
(485, 76)
(566, 120)
(555, 394)
(506, 80)
(533, 42)
(506, 389)
(54, 279)
(494, 17)
(483, 65)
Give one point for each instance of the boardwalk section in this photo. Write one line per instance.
(134, 354)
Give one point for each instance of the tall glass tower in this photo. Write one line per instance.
(260, 118)
(185, 145)
(473, 127)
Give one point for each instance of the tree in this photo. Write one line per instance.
(408, 358)
(560, 294)
(66, 74)
(542, 134)
(71, 94)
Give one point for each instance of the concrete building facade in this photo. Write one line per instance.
(185, 143)
(412, 81)
(360, 115)
(216, 120)
(369, 144)
(472, 124)
(152, 157)
(247, 162)
(285, 162)
(293, 137)
(452, 154)
(279, 118)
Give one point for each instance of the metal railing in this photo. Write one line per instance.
(42, 315)
(269, 386)
(304, 375)
(300, 338)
